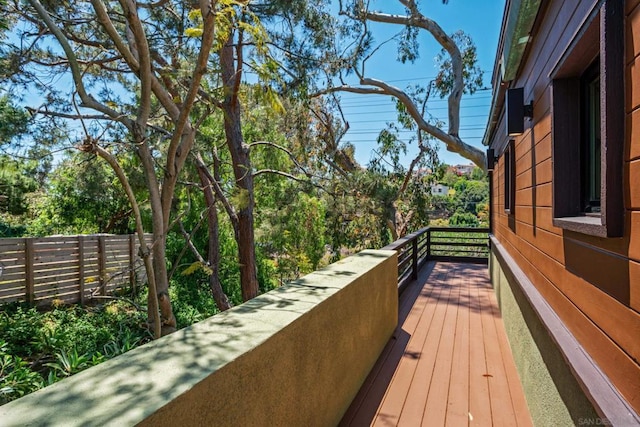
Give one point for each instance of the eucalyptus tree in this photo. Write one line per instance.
(126, 74)
(273, 43)
(457, 62)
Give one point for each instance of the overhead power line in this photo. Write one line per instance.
(366, 99)
(428, 110)
(354, 122)
(347, 139)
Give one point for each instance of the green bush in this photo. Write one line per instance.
(42, 347)
(16, 377)
(464, 219)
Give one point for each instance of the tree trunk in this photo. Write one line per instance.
(158, 249)
(242, 171)
(221, 299)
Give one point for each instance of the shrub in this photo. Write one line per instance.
(16, 377)
(464, 219)
(42, 347)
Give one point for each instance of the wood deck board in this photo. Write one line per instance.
(458, 402)
(437, 399)
(479, 397)
(448, 362)
(425, 361)
(502, 413)
(423, 312)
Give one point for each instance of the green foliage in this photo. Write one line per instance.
(292, 233)
(240, 198)
(15, 186)
(472, 75)
(191, 297)
(478, 174)
(30, 332)
(408, 44)
(16, 377)
(42, 347)
(464, 219)
(67, 364)
(473, 193)
(84, 196)
(8, 229)
(13, 120)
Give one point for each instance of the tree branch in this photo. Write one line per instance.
(281, 148)
(144, 60)
(91, 146)
(453, 142)
(159, 3)
(45, 112)
(231, 212)
(416, 19)
(87, 100)
(287, 175)
(208, 35)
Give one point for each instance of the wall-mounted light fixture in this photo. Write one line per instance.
(516, 111)
(491, 159)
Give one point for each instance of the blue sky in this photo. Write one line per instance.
(368, 114)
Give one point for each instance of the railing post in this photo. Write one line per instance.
(429, 243)
(414, 258)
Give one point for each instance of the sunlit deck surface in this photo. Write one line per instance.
(449, 362)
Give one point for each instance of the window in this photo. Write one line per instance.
(590, 145)
(509, 178)
(588, 126)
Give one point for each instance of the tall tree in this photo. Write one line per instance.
(126, 95)
(259, 38)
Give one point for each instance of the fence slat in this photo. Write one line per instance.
(101, 264)
(132, 264)
(28, 255)
(81, 269)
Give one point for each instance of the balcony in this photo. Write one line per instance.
(335, 347)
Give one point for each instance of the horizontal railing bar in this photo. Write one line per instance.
(460, 254)
(460, 229)
(400, 243)
(438, 243)
(476, 245)
(445, 239)
(404, 263)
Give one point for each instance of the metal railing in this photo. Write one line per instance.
(461, 244)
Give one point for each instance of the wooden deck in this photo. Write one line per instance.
(449, 361)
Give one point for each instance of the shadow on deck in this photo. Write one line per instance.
(448, 362)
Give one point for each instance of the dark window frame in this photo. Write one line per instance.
(591, 175)
(601, 36)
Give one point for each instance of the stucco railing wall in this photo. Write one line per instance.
(294, 356)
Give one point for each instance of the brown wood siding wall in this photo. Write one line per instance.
(592, 283)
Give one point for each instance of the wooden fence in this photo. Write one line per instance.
(68, 268)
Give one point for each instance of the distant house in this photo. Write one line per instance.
(423, 172)
(464, 169)
(565, 246)
(439, 189)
